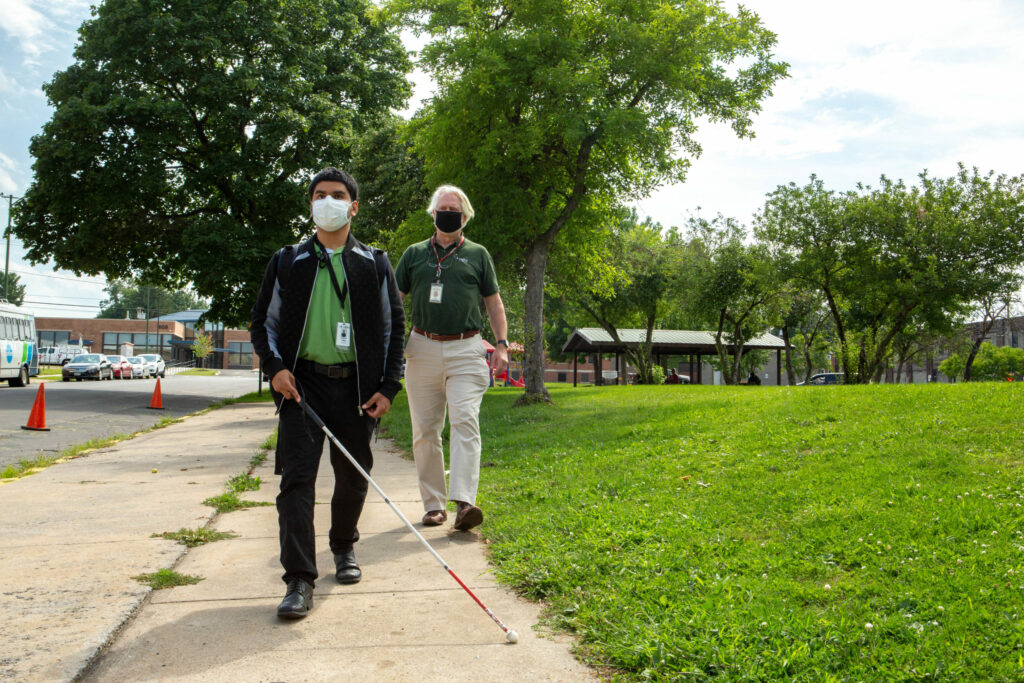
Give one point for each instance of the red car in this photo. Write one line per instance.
(121, 366)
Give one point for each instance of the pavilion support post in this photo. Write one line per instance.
(598, 369)
(778, 367)
(618, 368)
(575, 362)
(700, 370)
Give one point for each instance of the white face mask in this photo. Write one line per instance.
(330, 214)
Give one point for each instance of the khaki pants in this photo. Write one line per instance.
(439, 376)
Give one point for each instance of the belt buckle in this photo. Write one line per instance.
(335, 372)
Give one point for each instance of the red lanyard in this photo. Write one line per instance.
(440, 259)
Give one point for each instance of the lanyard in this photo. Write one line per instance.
(440, 259)
(325, 260)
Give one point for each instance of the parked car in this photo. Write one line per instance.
(825, 378)
(87, 366)
(159, 367)
(121, 367)
(140, 368)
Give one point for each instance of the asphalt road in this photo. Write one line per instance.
(79, 411)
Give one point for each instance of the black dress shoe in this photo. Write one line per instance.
(347, 568)
(297, 601)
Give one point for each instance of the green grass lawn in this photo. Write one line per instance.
(763, 533)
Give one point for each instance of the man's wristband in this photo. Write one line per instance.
(502, 341)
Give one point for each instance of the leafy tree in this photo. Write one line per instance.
(885, 257)
(735, 288)
(802, 322)
(546, 108)
(202, 346)
(992, 306)
(995, 363)
(185, 133)
(126, 298)
(646, 264)
(11, 288)
(953, 367)
(391, 182)
(813, 356)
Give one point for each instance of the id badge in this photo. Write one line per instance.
(343, 337)
(435, 292)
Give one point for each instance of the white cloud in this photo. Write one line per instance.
(7, 168)
(877, 87)
(26, 25)
(39, 27)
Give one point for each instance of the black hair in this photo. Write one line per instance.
(337, 175)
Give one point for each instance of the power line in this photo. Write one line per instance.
(62, 297)
(57, 305)
(58, 277)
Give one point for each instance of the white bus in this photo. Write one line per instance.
(19, 359)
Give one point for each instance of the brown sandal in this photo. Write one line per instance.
(435, 518)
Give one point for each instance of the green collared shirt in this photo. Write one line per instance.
(325, 312)
(466, 276)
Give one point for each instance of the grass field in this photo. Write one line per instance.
(763, 533)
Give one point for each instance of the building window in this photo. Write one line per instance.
(240, 355)
(53, 337)
(561, 377)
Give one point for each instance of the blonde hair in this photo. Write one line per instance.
(467, 208)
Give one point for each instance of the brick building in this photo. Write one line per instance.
(171, 336)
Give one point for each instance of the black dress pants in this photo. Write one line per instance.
(299, 449)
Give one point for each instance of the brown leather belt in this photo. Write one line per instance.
(446, 337)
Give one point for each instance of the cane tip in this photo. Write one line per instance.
(512, 637)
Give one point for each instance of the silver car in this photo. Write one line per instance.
(158, 368)
(140, 368)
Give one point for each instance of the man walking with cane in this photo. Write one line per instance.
(328, 326)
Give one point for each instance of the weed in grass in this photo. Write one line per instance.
(167, 578)
(258, 459)
(271, 442)
(229, 502)
(243, 482)
(196, 537)
(29, 465)
(690, 532)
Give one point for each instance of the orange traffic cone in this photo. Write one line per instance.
(37, 418)
(156, 403)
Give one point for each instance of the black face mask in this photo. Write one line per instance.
(448, 221)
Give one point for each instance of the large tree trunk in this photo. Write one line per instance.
(790, 372)
(975, 347)
(533, 371)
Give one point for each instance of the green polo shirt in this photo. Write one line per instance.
(467, 275)
(325, 312)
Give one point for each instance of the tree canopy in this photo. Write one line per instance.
(546, 107)
(896, 255)
(11, 288)
(184, 135)
(124, 299)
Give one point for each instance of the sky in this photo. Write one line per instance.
(875, 88)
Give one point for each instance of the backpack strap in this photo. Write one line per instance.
(285, 259)
(379, 258)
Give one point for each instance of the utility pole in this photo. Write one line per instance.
(7, 265)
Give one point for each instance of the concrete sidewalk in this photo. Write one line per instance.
(74, 534)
